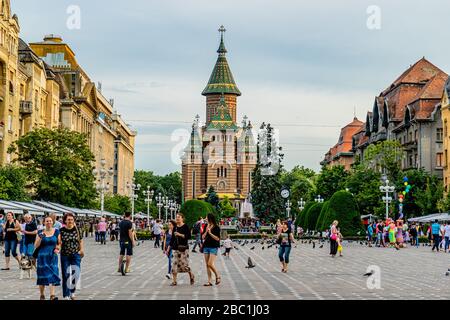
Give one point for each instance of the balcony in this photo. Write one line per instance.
(26, 107)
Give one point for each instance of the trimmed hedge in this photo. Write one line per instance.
(343, 208)
(194, 209)
(319, 223)
(300, 221)
(312, 215)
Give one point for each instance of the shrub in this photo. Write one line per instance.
(312, 215)
(342, 207)
(319, 224)
(300, 221)
(194, 209)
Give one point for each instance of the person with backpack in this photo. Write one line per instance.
(197, 232)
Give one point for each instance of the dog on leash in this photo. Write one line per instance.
(26, 266)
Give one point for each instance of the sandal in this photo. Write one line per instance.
(209, 284)
(5, 269)
(53, 298)
(218, 280)
(42, 297)
(173, 284)
(192, 280)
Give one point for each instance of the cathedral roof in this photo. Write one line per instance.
(221, 80)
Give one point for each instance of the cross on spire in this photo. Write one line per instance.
(221, 51)
(222, 30)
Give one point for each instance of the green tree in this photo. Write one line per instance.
(13, 183)
(331, 180)
(384, 157)
(194, 209)
(364, 184)
(226, 209)
(266, 185)
(58, 164)
(342, 207)
(116, 204)
(211, 197)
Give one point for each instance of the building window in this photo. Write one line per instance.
(445, 127)
(10, 128)
(440, 134)
(439, 160)
(225, 171)
(218, 172)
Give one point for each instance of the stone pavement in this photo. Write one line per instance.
(412, 273)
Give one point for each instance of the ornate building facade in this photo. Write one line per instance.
(42, 85)
(220, 153)
(83, 108)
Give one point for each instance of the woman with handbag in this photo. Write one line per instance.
(210, 248)
(179, 245)
(13, 234)
(47, 247)
(72, 251)
(333, 238)
(166, 245)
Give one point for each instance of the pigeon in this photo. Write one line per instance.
(314, 245)
(368, 274)
(447, 274)
(250, 263)
(252, 248)
(262, 247)
(269, 246)
(321, 246)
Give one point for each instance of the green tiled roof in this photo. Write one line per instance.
(221, 80)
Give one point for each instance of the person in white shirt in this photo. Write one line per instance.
(447, 236)
(227, 244)
(157, 229)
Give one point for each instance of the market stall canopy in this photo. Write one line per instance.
(430, 218)
(8, 206)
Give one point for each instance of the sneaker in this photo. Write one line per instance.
(128, 270)
(168, 276)
(194, 251)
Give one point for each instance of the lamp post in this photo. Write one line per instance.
(166, 205)
(102, 185)
(387, 198)
(288, 208)
(319, 199)
(160, 199)
(173, 208)
(301, 204)
(149, 194)
(133, 196)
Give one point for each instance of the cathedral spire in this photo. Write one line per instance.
(221, 80)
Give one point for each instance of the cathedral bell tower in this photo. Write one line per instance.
(221, 83)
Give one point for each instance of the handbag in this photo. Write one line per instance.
(181, 248)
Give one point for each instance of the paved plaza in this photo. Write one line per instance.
(412, 273)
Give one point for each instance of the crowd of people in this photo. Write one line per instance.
(55, 246)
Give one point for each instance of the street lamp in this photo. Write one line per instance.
(102, 186)
(166, 205)
(149, 194)
(301, 204)
(387, 199)
(133, 196)
(173, 209)
(160, 200)
(319, 199)
(288, 208)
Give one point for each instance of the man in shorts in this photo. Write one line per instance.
(126, 241)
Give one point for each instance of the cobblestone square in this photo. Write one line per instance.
(411, 273)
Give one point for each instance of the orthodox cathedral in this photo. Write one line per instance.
(221, 153)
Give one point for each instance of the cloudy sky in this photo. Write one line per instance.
(305, 66)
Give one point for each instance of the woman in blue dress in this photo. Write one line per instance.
(48, 244)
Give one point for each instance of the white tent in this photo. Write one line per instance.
(432, 217)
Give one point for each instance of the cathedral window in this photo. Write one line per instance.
(218, 172)
(225, 171)
(193, 184)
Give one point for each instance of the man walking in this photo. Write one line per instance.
(126, 241)
(447, 236)
(436, 235)
(157, 229)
